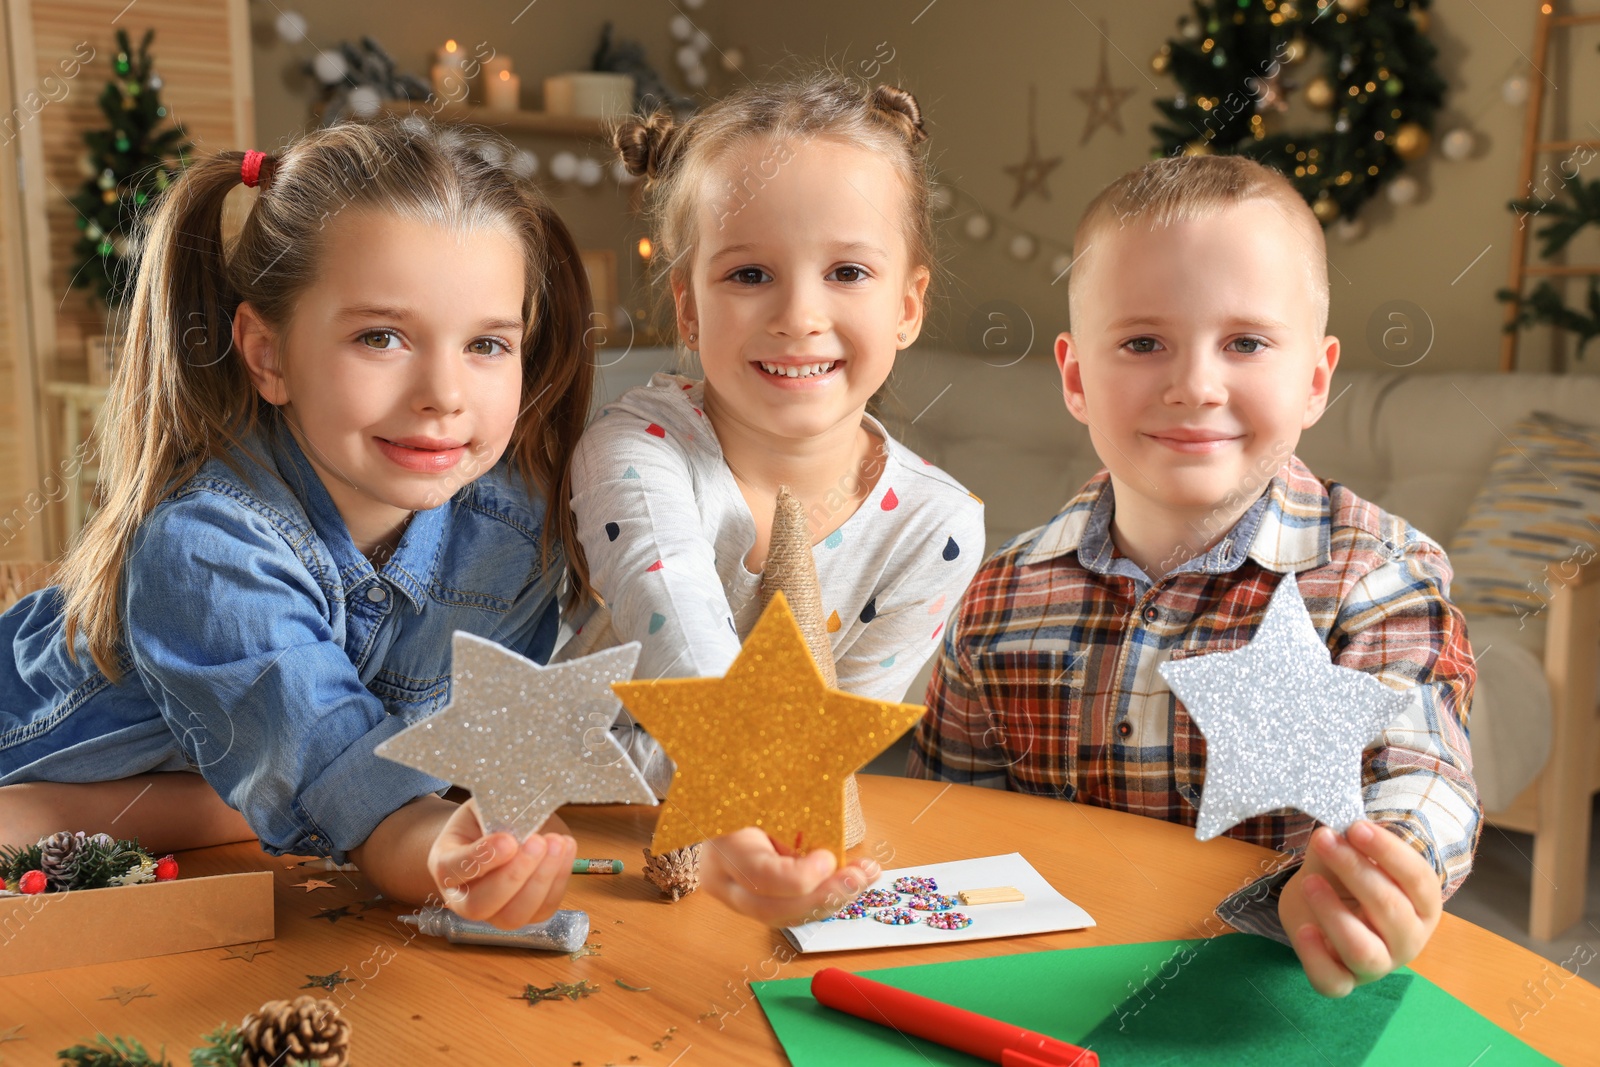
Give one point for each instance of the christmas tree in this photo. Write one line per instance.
(1580, 209)
(129, 164)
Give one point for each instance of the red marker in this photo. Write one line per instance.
(953, 1027)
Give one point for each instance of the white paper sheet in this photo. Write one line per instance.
(1044, 910)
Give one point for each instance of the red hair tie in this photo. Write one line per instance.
(250, 169)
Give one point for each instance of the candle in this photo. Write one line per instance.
(448, 84)
(503, 92)
(494, 65)
(448, 77)
(451, 55)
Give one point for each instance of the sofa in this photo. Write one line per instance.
(1416, 444)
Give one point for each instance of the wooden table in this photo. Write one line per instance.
(422, 1000)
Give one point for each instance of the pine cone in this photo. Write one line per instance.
(304, 1030)
(675, 873)
(58, 857)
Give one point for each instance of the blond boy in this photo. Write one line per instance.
(1198, 353)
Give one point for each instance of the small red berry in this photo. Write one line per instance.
(32, 882)
(166, 869)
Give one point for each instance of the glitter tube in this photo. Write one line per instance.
(566, 931)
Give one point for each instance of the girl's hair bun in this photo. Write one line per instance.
(646, 145)
(902, 109)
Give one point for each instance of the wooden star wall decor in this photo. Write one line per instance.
(768, 744)
(1103, 98)
(1033, 171)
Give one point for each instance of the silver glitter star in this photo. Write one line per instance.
(527, 739)
(1284, 726)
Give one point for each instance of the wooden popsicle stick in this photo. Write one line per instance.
(999, 894)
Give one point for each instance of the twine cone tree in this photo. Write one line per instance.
(791, 569)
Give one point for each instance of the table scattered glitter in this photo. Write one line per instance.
(878, 898)
(853, 910)
(913, 884)
(931, 902)
(948, 920)
(897, 916)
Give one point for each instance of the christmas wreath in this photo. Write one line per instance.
(67, 861)
(1237, 62)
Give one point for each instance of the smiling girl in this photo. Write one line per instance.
(795, 223)
(331, 443)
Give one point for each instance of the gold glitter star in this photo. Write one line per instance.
(126, 994)
(248, 953)
(13, 1034)
(586, 950)
(768, 744)
(1032, 172)
(313, 883)
(1103, 98)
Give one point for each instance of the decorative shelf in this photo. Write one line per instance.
(505, 121)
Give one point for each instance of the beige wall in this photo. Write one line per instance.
(550, 36)
(970, 64)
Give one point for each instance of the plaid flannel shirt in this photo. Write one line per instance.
(1047, 680)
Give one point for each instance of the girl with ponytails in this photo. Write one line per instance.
(330, 443)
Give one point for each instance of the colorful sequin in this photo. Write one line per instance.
(878, 898)
(932, 902)
(948, 920)
(914, 884)
(897, 916)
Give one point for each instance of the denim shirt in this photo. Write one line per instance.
(261, 648)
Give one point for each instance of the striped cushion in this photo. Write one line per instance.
(1540, 505)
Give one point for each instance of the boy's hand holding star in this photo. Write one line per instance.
(1362, 905)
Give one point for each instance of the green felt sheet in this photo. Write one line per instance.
(1229, 1000)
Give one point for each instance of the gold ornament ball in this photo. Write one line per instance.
(109, 196)
(1197, 148)
(1319, 92)
(1325, 210)
(1411, 141)
(1422, 19)
(1295, 50)
(1161, 61)
(1353, 7)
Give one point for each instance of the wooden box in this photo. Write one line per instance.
(73, 929)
